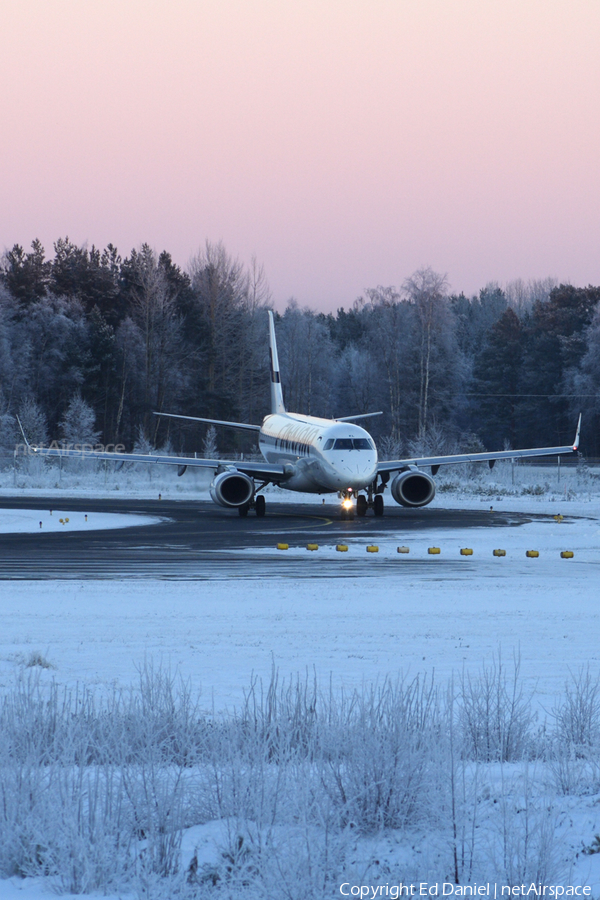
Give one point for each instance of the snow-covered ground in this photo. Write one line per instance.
(13, 521)
(445, 614)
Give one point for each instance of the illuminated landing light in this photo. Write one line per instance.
(347, 504)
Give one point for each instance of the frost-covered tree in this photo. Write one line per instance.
(55, 352)
(307, 359)
(390, 343)
(143, 444)
(34, 422)
(215, 321)
(253, 375)
(358, 386)
(209, 444)
(155, 313)
(77, 424)
(9, 432)
(427, 291)
(476, 316)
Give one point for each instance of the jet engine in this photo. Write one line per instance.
(413, 488)
(232, 489)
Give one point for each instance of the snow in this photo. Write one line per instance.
(13, 521)
(432, 612)
(407, 613)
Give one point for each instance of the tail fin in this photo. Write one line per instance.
(277, 405)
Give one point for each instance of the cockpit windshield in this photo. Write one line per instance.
(348, 444)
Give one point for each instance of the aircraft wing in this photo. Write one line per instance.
(256, 469)
(436, 461)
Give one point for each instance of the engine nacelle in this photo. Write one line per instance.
(413, 488)
(232, 489)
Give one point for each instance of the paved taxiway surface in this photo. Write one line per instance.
(198, 540)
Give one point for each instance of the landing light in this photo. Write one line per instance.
(347, 504)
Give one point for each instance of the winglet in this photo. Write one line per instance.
(576, 441)
(277, 404)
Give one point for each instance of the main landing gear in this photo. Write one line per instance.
(376, 504)
(375, 497)
(259, 506)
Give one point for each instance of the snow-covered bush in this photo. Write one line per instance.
(495, 713)
(578, 713)
(98, 793)
(377, 761)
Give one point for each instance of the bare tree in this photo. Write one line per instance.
(521, 295)
(428, 291)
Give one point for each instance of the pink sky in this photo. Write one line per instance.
(344, 143)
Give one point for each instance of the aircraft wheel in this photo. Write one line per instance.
(243, 510)
(260, 506)
(378, 505)
(361, 505)
(342, 513)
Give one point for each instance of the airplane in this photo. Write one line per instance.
(309, 454)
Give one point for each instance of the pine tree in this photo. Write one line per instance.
(555, 341)
(496, 383)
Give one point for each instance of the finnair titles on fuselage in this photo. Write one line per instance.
(313, 455)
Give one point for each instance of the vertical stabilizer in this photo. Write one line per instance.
(277, 405)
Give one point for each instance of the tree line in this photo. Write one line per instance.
(92, 344)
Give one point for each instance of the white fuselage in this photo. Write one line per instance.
(323, 455)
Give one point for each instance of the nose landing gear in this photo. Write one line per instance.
(373, 500)
(347, 506)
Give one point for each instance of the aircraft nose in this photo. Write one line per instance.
(357, 472)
